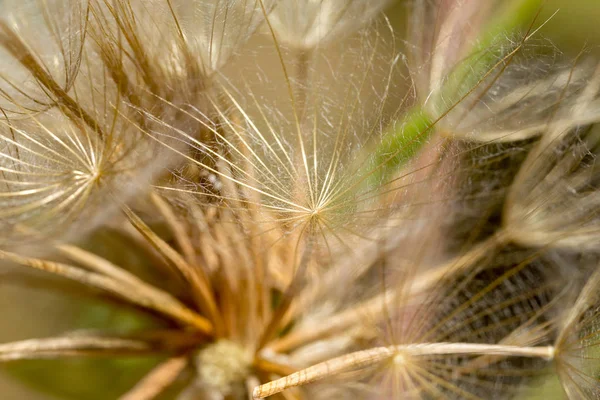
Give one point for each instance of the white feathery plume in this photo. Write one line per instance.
(42, 45)
(578, 345)
(308, 24)
(554, 200)
(75, 140)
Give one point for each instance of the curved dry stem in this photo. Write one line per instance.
(194, 276)
(288, 296)
(155, 299)
(73, 346)
(175, 225)
(364, 358)
(100, 265)
(157, 380)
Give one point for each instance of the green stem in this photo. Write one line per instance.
(407, 136)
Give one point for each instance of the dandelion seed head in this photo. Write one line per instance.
(302, 163)
(84, 130)
(53, 171)
(474, 310)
